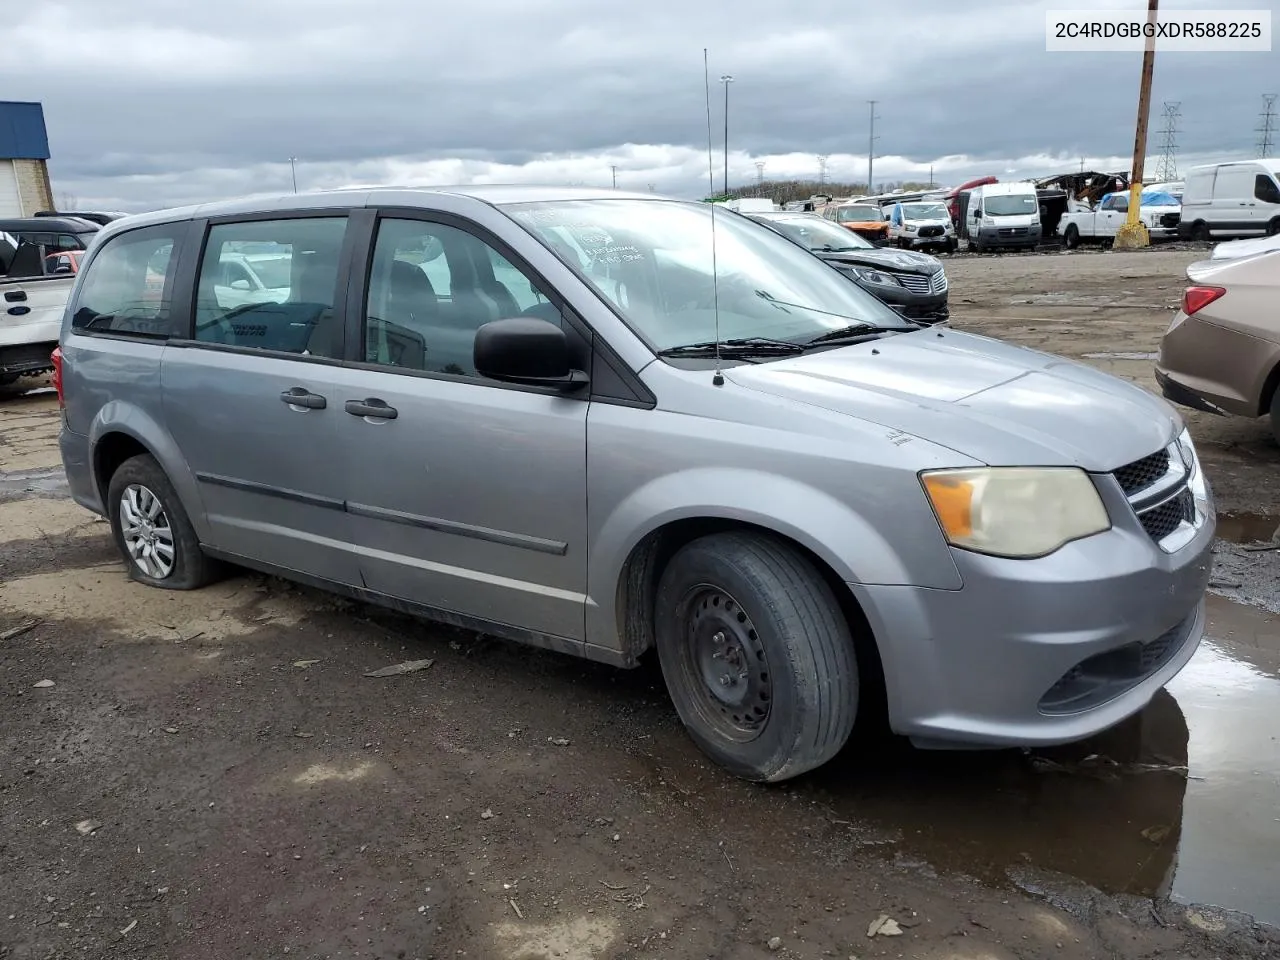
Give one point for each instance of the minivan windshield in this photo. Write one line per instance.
(1010, 205)
(924, 211)
(653, 260)
(819, 235)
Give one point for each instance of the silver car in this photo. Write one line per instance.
(604, 423)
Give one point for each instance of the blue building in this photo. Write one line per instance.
(24, 155)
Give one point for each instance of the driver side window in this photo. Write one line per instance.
(432, 287)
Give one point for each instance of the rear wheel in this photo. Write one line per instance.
(1275, 415)
(152, 530)
(1071, 237)
(1200, 231)
(757, 655)
(1273, 227)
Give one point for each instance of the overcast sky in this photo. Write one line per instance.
(153, 103)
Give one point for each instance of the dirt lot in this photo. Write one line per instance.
(212, 775)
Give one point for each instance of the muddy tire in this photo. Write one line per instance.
(1200, 232)
(152, 530)
(1071, 237)
(1275, 415)
(1273, 227)
(757, 656)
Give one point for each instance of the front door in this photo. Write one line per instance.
(254, 397)
(465, 494)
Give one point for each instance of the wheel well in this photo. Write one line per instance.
(109, 452)
(638, 586)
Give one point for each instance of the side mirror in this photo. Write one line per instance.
(977, 214)
(528, 351)
(240, 284)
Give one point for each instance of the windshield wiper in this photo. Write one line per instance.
(828, 248)
(737, 347)
(854, 334)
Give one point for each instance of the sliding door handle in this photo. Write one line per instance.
(371, 407)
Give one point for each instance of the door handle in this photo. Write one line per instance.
(372, 407)
(15, 296)
(302, 397)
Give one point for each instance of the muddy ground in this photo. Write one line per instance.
(212, 775)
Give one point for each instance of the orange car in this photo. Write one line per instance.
(865, 219)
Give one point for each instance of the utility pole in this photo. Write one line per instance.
(1168, 167)
(871, 148)
(726, 80)
(293, 172)
(614, 168)
(1267, 127)
(931, 176)
(759, 173)
(1133, 233)
(822, 170)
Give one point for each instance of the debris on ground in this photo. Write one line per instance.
(409, 666)
(131, 925)
(86, 827)
(884, 926)
(303, 664)
(19, 630)
(42, 684)
(486, 815)
(775, 943)
(558, 741)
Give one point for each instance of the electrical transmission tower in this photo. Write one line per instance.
(1167, 166)
(760, 173)
(1267, 126)
(822, 169)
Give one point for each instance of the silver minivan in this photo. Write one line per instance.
(602, 423)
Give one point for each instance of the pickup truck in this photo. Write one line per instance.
(31, 309)
(1160, 212)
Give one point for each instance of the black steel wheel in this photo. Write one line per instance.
(756, 654)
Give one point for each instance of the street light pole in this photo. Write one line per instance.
(726, 80)
(614, 168)
(871, 149)
(1134, 232)
(293, 172)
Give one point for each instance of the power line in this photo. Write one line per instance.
(1267, 128)
(1167, 166)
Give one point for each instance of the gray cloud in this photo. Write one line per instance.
(150, 103)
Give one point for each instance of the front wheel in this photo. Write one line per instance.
(1273, 228)
(1275, 415)
(757, 655)
(1071, 236)
(152, 530)
(1200, 232)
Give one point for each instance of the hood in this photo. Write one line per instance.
(996, 403)
(928, 221)
(1234, 249)
(900, 261)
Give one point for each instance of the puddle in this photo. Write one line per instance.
(41, 483)
(1247, 527)
(1120, 356)
(1179, 801)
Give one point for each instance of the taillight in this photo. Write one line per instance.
(1196, 299)
(57, 375)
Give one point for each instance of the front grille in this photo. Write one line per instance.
(1140, 474)
(1170, 219)
(1105, 676)
(931, 231)
(1162, 520)
(922, 285)
(1012, 231)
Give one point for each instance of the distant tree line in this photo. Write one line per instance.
(784, 191)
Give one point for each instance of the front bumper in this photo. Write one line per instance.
(926, 243)
(1040, 652)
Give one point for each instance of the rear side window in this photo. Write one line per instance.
(272, 285)
(128, 286)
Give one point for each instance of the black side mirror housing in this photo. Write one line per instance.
(528, 351)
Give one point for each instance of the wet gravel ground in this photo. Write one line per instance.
(213, 775)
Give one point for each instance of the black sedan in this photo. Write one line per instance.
(914, 284)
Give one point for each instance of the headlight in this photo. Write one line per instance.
(875, 277)
(1020, 512)
(1196, 481)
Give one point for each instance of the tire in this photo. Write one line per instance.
(731, 600)
(975, 247)
(1275, 415)
(142, 483)
(1200, 232)
(1273, 227)
(1071, 236)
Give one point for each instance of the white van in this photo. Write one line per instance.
(1002, 215)
(1224, 200)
